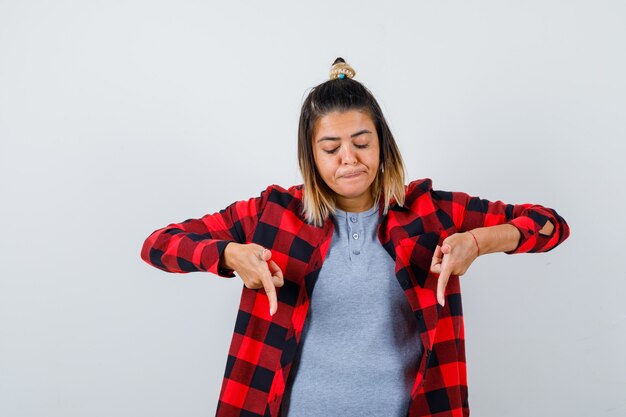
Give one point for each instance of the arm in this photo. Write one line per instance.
(199, 244)
(497, 227)
(503, 237)
(539, 229)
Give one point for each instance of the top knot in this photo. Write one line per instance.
(340, 69)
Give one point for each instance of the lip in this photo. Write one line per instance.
(352, 174)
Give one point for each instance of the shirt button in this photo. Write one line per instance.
(356, 252)
(353, 219)
(356, 235)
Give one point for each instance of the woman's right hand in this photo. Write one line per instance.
(252, 263)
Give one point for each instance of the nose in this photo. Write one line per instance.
(347, 156)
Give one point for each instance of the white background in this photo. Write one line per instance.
(120, 117)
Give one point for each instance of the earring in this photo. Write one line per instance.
(382, 168)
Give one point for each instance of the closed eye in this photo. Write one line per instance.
(332, 151)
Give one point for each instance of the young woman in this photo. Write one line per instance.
(383, 335)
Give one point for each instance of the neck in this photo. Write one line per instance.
(355, 205)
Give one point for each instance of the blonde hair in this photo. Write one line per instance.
(343, 94)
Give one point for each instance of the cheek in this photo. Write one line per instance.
(373, 160)
(325, 168)
(319, 163)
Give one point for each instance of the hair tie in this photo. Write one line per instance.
(340, 70)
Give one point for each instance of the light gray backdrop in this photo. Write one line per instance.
(120, 117)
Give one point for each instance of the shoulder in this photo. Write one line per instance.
(416, 189)
(290, 192)
(421, 185)
(276, 196)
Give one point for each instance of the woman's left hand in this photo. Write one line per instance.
(453, 257)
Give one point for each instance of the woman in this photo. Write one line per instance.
(384, 332)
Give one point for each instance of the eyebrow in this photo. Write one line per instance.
(360, 132)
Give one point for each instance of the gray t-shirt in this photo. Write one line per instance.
(360, 345)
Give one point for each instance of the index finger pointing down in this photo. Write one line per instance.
(442, 281)
(270, 290)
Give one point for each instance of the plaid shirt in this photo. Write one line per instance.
(263, 347)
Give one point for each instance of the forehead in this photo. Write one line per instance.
(342, 123)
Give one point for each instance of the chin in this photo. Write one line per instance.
(351, 192)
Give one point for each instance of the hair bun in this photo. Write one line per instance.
(340, 69)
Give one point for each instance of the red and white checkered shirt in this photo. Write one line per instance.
(263, 347)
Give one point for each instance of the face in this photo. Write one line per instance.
(347, 156)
